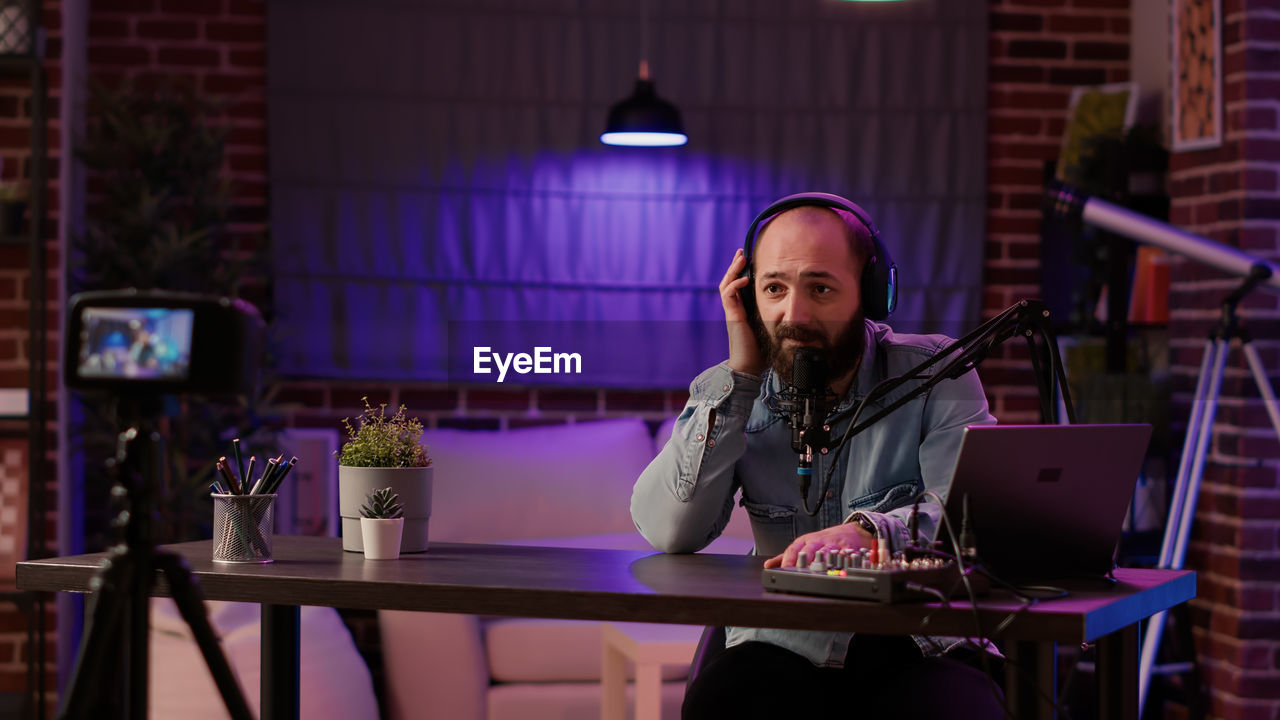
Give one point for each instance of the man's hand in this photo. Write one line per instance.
(836, 537)
(744, 351)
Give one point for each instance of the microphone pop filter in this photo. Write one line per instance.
(809, 371)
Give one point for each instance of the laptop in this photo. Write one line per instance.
(1046, 501)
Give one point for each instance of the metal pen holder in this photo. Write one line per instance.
(242, 528)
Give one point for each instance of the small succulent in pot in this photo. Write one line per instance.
(383, 504)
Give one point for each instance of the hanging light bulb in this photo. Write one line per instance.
(644, 119)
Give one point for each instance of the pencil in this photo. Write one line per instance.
(226, 473)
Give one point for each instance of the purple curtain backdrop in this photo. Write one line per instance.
(437, 182)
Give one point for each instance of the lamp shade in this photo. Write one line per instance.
(644, 119)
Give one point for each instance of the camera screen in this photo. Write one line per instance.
(136, 343)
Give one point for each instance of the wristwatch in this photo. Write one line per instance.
(866, 523)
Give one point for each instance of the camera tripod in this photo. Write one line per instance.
(116, 638)
(1204, 407)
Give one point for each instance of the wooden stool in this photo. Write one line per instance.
(649, 646)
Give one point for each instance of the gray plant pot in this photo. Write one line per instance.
(412, 484)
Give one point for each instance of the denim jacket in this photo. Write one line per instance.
(683, 500)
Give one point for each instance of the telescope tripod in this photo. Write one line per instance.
(116, 639)
(1204, 406)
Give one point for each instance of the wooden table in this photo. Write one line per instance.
(647, 587)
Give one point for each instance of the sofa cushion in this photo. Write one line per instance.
(536, 482)
(538, 650)
(334, 680)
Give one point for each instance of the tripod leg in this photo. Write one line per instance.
(190, 602)
(1182, 508)
(102, 634)
(1264, 385)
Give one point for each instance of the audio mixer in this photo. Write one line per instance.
(859, 575)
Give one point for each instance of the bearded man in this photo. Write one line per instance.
(807, 279)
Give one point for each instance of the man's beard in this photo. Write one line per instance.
(840, 356)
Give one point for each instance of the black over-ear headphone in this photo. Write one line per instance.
(879, 275)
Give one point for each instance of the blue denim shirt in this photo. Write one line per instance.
(683, 500)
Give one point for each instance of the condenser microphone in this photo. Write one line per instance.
(807, 410)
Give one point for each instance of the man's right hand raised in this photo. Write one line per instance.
(744, 351)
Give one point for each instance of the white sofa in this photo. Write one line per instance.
(565, 485)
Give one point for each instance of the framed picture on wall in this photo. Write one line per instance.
(1196, 67)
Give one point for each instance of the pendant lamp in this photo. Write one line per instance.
(644, 119)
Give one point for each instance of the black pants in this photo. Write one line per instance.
(883, 677)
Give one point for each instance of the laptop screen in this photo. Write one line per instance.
(1046, 501)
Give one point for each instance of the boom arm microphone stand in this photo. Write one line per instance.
(1071, 205)
(1026, 318)
(116, 639)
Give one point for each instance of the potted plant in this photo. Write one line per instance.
(382, 525)
(384, 452)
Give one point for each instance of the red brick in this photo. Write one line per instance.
(1038, 49)
(224, 84)
(1024, 22)
(1077, 24)
(469, 423)
(634, 401)
(1004, 225)
(1028, 150)
(515, 423)
(1031, 74)
(422, 400)
(123, 6)
(309, 397)
(247, 58)
(1259, 179)
(1113, 4)
(1038, 99)
(189, 56)
(1035, 3)
(167, 29)
(108, 28)
(192, 7)
(478, 399)
(1077, 76)
(254, 8)
(1023, 175)
(568, 400)
(236, 32)
(1100, 51)
(1014, 125)
(352, 400)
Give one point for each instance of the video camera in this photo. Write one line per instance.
(160, 342)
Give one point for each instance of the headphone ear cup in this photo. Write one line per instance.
(879, 284)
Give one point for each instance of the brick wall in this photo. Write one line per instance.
(15, 294)
(1039, 50)
(1230, 194)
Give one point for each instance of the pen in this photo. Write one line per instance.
(235, 448)
(249, 473)
(279, 476)
(265, 481)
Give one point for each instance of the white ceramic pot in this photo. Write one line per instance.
(381, 537)
(413, 485)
